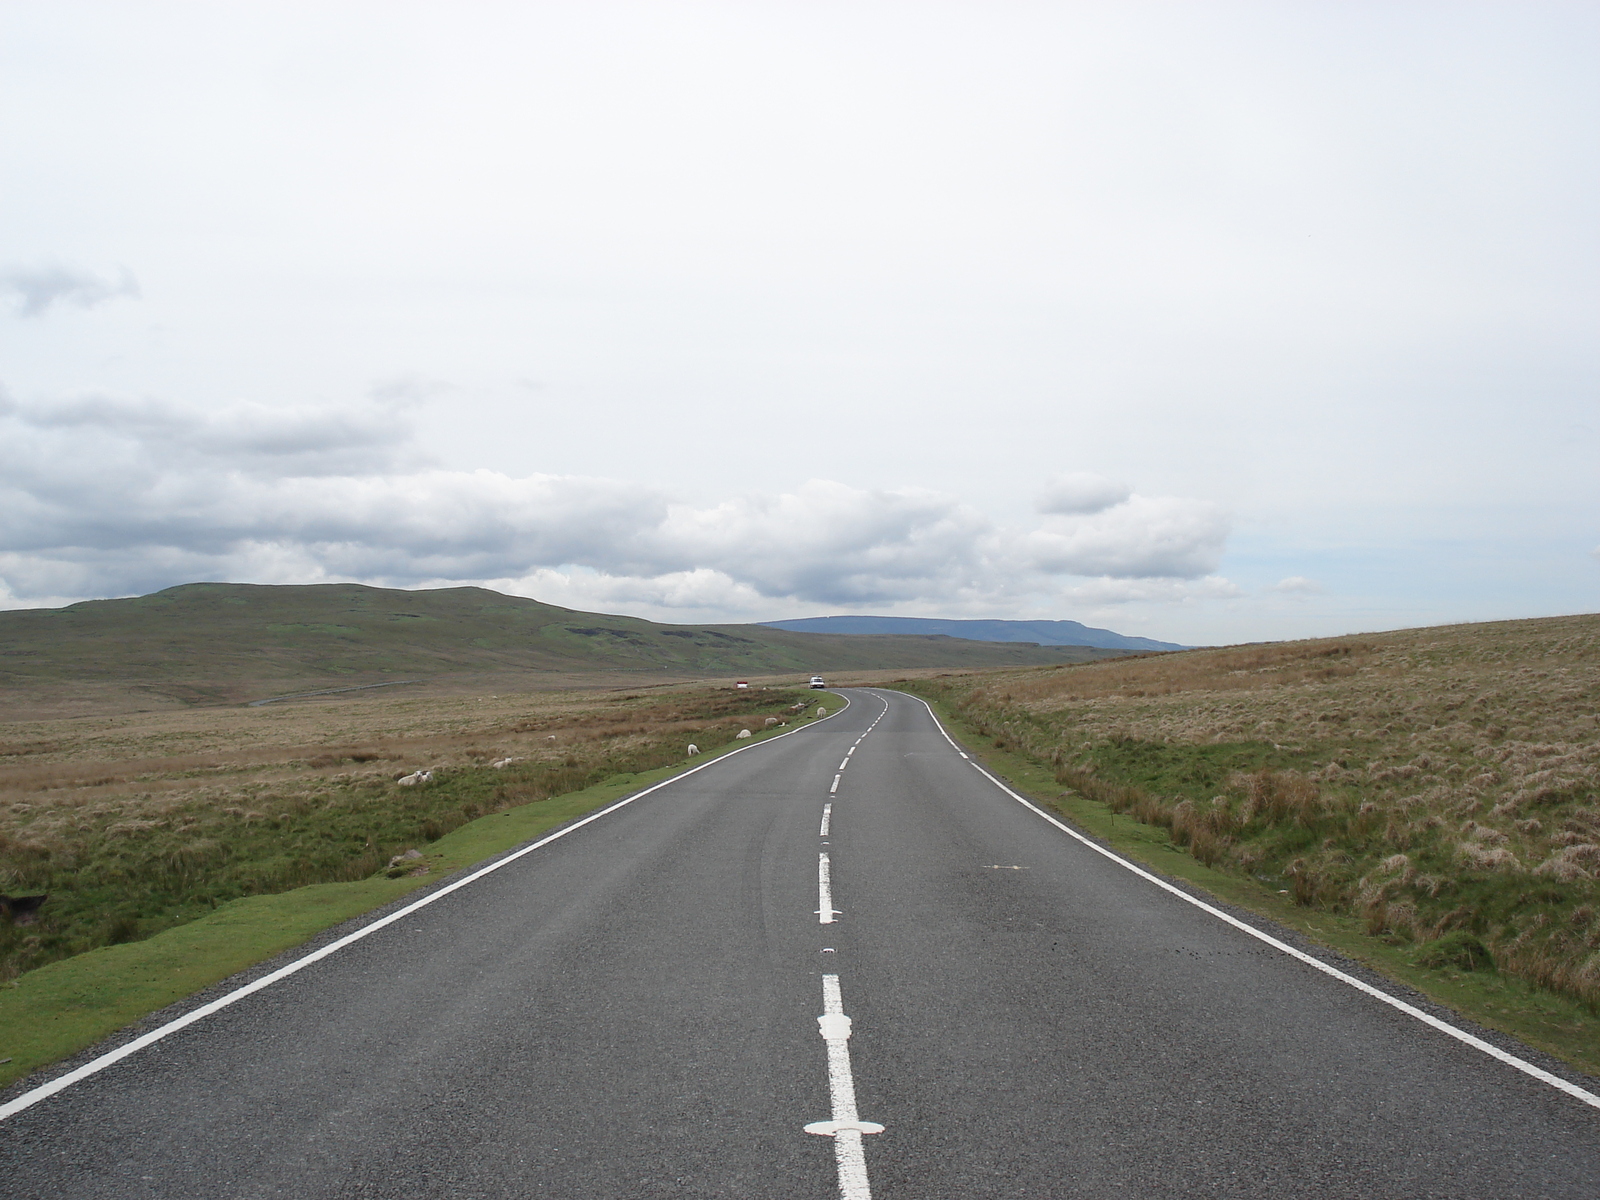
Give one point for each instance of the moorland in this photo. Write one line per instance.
(165, 754)
(218, 643)
(1439, 789)
(134, 823)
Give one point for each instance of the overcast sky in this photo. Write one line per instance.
(1207, 321)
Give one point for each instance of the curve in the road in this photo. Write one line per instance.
(633, 1012)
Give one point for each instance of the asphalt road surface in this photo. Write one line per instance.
(850, 928)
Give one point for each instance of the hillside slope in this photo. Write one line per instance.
(1044, 633)
(199, 641)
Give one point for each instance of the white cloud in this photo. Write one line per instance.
(1205, 249)
(1144, 536)
(65, 436)
(1081, 493)
(36, 289)
(107, 495)
(681, 597)
(830, 542)
(1298, 585)
(1109, 591)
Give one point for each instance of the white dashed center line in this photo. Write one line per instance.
(825, 910)
(847, 1126)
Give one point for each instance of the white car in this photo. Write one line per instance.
(816, 682)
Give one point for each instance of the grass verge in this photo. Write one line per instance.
(66, 1006)
(1556, 1024)
(126, 850)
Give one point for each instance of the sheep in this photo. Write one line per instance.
(414, 778)
(771, 721)
(743, 733)
(409, 863)
(693, 749)
(821, 712)
(503, 762)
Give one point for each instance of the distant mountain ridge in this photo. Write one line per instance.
(1045, 633)
(226, 642)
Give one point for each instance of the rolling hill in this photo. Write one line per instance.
(222, 642)
(1044, 633)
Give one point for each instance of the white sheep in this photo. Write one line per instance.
(743, 733)
(414, 778)
(504, 762)
(693, 749)
(771, 721)
(821, 712)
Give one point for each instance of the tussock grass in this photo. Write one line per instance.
(136, 824)
(1443, 785)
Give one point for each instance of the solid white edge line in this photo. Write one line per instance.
(1410, 1010)
(94, 1066)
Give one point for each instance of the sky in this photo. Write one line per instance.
(1210, 322)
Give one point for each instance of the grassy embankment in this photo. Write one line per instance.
(215, 859)
(1424, 800)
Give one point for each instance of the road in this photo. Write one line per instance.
(632, 1010)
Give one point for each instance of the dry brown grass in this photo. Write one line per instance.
(134, 819)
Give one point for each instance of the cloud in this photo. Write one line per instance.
(1079, 493)
(1142, 537)
(36, 289)
(703, 594)
(837, 544)
(106, 495)
(112, 443)
(1298, 585)
(1109, 591)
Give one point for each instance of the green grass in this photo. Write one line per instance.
(64, 1007)
(1455, 970)
(127, 880)
(1196, 771)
